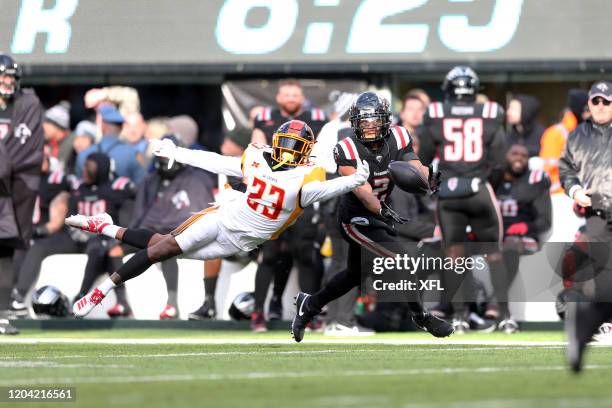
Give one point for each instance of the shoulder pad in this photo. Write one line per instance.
(264, 115)
(491, 110)
(56, 177)
(347, 149)
(317, 114)
(402, 137)
(436, 110)
(121, 183)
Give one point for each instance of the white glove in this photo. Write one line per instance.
(362, 173)
(164, 148)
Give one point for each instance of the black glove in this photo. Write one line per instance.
(434, 180)
(390, 214)
(40, 231)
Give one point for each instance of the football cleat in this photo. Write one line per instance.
(169, 312)
(94, 223)
(433, 325)
(275, 310)
(119, 310)
(461, 326)
(205, 312)
(84, 305)
(508, 325)
(303, 316)
(479, 324)
(582, 319)
(258, 322)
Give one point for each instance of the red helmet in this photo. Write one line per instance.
(292, 143)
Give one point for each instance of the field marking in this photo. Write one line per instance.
(221, 341)
(52, 364)
(276, 353)
(276, 375)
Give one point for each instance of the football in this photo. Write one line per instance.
(408, 177)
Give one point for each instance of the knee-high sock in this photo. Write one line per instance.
(170, 272)
(337, 286)
(210, 286)
(137, 264)
(499, 280)
(138, 238)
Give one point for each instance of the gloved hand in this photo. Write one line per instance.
(164, 148)
(390, 214)
(434, 180)
(519, 228)
(362, 173)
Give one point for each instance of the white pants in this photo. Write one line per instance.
(203, 237)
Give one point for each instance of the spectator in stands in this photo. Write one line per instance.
(122, 155)
(565, 222)
(412, 112)
(554, 138)
(84, 136)
(523, 127)
(187, 129)
(56, 126)
(421, 94)
(234, 144)
(133, 132)
(164, 200)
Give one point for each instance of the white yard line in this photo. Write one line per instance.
(278, 374)
(277, 353)
(254, 341)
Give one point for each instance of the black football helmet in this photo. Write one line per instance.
(9, 68)
(292, 143)
(50, 301)
(370, 117)
(243, 306)
(461, 83)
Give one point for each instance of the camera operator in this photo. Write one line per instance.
(586, 174)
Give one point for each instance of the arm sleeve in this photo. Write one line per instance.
(427, 145)
(323, 150)
(568, 173)
(213, 162)
(324, 190)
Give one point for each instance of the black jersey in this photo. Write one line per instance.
(51, 184)
(467, 137)
(526, 199)
(268, 120)
(397, 146)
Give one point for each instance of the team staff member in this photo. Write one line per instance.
(585, 170)
(21, 140)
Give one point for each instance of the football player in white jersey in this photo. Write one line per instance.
(281, 181)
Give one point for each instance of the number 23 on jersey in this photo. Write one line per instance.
(265, 198)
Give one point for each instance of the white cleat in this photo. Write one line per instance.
(95, 223)
(85, 305)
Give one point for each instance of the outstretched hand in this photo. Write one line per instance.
(164, 148)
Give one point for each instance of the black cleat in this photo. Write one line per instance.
(303, 316)
(582, 320)
(205, 312)
(275, 310)
(433, 325)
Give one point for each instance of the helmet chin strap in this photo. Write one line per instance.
(286, 157)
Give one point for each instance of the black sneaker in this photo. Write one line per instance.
(433, 325)
(18, 306)
(258, 322)
(275, 310)
(479, 324)
(581, 321)
(205, 312)
(303, 316)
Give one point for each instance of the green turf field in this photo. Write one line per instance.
(187, 368)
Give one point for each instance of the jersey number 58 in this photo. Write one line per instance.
(464, 139)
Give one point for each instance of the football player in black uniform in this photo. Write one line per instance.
(527, 213)
(21, 140)
(367, 220)
(296, 245)
(469, 139)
